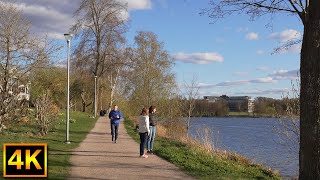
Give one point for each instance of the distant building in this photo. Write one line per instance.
(235, 103)
(212, 98)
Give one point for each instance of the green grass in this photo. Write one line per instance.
(240, 114)
(58, 152)
(246, 114)
(202, 165)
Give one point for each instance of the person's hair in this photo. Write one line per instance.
(144, 111)
(151, 109)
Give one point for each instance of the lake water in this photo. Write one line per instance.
(256, 138)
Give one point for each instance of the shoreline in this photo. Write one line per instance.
(203, 162)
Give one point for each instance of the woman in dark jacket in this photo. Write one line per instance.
(152, 126)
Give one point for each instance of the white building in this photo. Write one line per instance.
(235, 103)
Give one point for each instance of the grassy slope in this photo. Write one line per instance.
(58, 152)
(202, 165)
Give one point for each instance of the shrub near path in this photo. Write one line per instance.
(58, 152)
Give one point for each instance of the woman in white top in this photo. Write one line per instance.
(144, 130)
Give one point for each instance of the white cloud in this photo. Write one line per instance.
(263, 80)
(55, 35)
(47, 20)
(60, 64)
(276, 76)
(286, 35)
(55, 18)
(246, 82)
(262, 69)
(242, 29)
(296, 48)
(260, 52)
(213, 93)
(233, 83)
(264, 92)
(204, 85)
(137, 4)
(285, 74)
(290, 41)
(198, 58)
(266, 80)
(219, 40)
(252, 36)
(240, 73)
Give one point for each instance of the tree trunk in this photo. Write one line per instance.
(84, 104)
(309, 153)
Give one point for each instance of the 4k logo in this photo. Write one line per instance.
(25, 160)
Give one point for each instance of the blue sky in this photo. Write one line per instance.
(232, 56)
(239, 58)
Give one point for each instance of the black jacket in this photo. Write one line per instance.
(152, 119)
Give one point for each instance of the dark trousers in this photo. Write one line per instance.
(114, 131)
(143, 140)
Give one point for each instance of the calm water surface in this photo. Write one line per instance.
(255, 138)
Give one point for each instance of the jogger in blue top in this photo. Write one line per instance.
(115, 115)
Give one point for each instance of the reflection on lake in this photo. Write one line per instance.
(255, 138)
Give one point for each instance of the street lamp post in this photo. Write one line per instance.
(68, 38)
(95, 96)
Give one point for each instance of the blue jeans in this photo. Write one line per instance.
(143, 140)
(151, 137)
(114, 131)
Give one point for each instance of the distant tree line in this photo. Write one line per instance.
(205, 108)
(276, 107)
(263, 106)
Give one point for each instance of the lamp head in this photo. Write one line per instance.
(68, 36)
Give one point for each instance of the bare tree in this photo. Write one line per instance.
(20, 52)
(192, 90)
(46, 113)
(150, 72)
(120, 61)
(100, 26)
(288, 129)
(308, 12)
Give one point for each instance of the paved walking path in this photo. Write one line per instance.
(98, 157)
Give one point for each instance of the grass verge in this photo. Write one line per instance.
(58, 152)
(240, 114)
(201, 164)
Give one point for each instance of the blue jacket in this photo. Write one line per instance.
(113, 116)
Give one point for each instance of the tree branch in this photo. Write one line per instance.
(297, 11)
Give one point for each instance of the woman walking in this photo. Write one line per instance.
(152, 126)
(144, 131)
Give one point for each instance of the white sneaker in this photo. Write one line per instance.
(144, 156)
